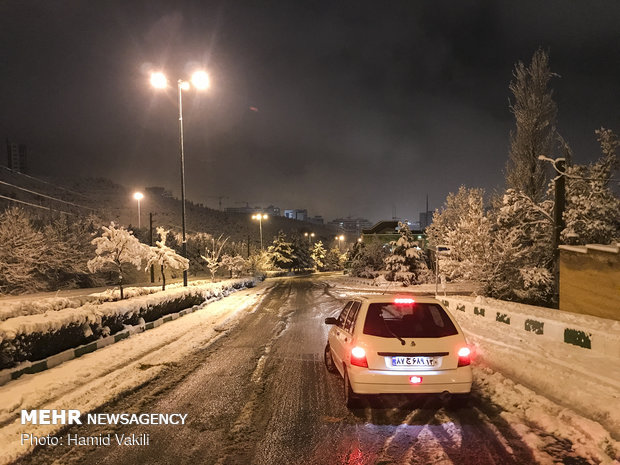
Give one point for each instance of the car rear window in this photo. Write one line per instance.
(408, 320)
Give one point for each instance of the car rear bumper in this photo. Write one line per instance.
(365, 381)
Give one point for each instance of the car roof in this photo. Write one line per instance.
(389, 297)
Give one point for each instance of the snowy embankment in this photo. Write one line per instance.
(97, 378)
(26, 339)
(572, 359)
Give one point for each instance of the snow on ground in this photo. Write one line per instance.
(14, 306)
(549, 391)
(92, 380)
(137, 299)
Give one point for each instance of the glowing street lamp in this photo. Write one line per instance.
(138, 196)
(200, 81)
(340, 239)
(309, 236)
(260, 217)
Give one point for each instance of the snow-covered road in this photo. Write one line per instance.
(248, 371)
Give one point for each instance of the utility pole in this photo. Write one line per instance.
(558, 223)
(151, 244)
(248, 246)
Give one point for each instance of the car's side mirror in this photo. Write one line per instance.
(330, 320)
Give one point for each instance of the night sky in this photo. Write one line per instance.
(343, 108)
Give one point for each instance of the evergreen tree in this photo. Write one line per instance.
(318, 255)
(281, 252)
(592, 213)
(367, 259)
(522, 256)
(301, 253)
(333, 260)
(406, 262)
(535, 115)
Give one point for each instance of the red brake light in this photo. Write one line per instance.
(464, 354)
(415, 379)
(358, 357)
(404, 300)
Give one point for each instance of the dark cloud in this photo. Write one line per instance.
(363, 107)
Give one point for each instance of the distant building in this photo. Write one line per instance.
(299, 215)
(387, 231)
(273, 211)
(426, 218)
(316, 220)
(16, 157)
(351, 225)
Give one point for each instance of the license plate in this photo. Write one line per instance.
(414, 361)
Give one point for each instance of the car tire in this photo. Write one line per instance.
(329, 360)
(351, 399)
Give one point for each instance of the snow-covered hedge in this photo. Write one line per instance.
(34, 337)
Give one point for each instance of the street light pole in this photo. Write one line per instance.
(200, 80)
(180, 86)
(260, 217)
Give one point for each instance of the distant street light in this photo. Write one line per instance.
(260, 217)
(340, 239)
(200, 80)
(309, 236)
(138, 196)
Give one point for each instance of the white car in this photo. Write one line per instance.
(395, 344)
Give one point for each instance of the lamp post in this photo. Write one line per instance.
(340, 239)
(138, 196)
(200, 80)
(309, 236)
(260, 217)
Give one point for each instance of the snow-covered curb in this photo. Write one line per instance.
(55, 320)
(589, 332)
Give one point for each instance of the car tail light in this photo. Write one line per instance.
(358, 357)
(415, 379)
(464, 354)
(404, 300)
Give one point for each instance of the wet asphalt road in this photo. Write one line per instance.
(260, 395)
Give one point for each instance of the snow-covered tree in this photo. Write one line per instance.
(522, 255)
(592, 213)
(367, 259)
(212, 256)
(235, 264)
(281, 252)
(535, 115)
(406, 261)
(318, 255)
(165, 257)
(334, 259)
(259, 262)
(22, 246)
(197, 243)
(301, 253)
(115, 249)
(463, 226)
